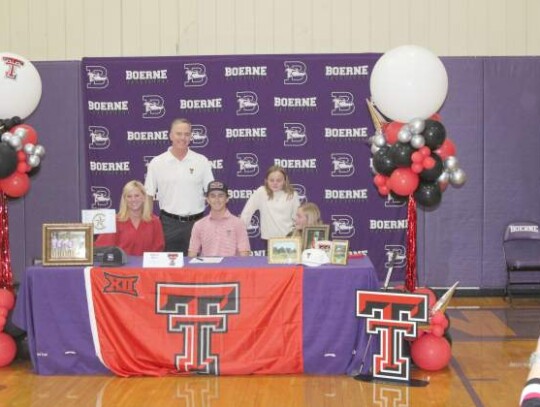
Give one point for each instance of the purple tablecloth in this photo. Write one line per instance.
(51, 306)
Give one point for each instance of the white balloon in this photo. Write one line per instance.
(408, 82)
(20, 86)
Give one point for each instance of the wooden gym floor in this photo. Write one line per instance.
(491, 345)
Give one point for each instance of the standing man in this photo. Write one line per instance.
(220, 233)
(177, 178)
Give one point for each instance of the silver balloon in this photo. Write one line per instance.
(374, 149)
(418, 141)
(6, 136)
(451, 163)
(444, 177)
(15, 142)
(39, 151)
(404, 135)
(33, 160)
(29, 148)
(417, 126)
(458, 177)
(21, 132)
(379, 140)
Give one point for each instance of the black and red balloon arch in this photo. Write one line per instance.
(20, 156)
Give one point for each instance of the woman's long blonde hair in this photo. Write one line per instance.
(123, 214)
(313, 215)
(287, 187)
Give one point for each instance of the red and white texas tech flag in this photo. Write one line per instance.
(196, 321)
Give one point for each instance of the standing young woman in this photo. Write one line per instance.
(276, 201)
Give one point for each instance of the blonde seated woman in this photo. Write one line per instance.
(307, 214)
(138, 230)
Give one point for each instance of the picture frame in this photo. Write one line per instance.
(340, 252)
(68, 244)
(312, 234)
(287, 250)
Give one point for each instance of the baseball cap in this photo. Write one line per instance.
(217, 186)
(314, 257)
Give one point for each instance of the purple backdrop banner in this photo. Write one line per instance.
(306, 113)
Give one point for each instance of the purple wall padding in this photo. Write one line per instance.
(451, 247)
(511, 166)
(55, 191)
(492, 113)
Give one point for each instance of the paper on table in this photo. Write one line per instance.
(206, 260)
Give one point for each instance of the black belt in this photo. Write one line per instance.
(189, 218)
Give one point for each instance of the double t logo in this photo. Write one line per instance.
(394, 316)
(197, 311)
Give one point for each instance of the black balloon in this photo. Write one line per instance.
(8, 160)
(6, 125)
(398, 198)
(428, 194)
(434, 133)
(434, 173)
(401, 154)
(382, 162)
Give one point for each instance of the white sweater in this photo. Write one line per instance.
(276, 214)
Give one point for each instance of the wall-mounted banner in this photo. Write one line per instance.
(306, 113)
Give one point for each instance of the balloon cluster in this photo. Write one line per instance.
(415, 158)
(20, 155)
(431, 349)
(20, 93)
(8, 347)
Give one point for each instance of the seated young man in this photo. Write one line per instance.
(219, 233)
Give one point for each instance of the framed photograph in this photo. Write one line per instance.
(312, 234)
(68, 244)
(284, 250)
(340, 252)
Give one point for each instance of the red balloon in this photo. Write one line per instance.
(21, 155)
(8, 349)
(432, 298)
(31, 134)
(417, 168)
(391, 131)
(16, 185)
(437, 330)
(403, 181)
(23, 167)
(417, 157)
(380, 180)
(438, 318)
(447, 149)
(425, 151)
(429, 162)
(431, 352)
(436, 116)
(7, 299)
(383, 190)
(3, 312)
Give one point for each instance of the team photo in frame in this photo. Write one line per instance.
(67, 244)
